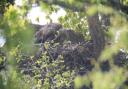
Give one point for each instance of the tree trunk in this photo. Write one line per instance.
(97, 34)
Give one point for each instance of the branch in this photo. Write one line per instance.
(115, 4)
(66, 5)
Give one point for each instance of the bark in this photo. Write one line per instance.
(97, 34)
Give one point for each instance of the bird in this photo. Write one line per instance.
(47, 32)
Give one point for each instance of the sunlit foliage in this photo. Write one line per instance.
(18, 34)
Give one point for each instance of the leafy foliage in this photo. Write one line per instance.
(47, 73)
